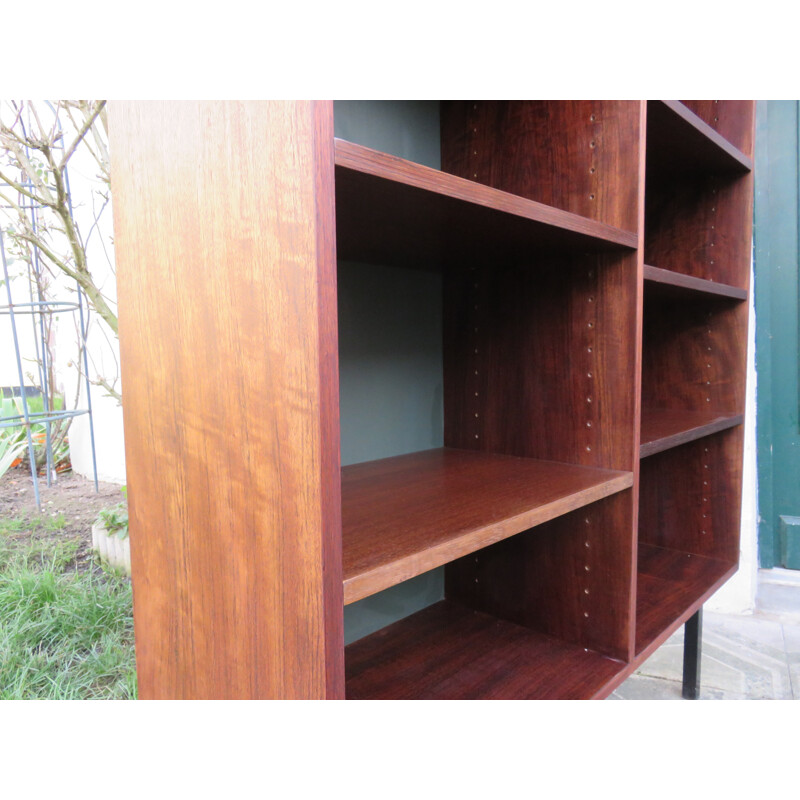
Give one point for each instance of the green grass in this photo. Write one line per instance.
(64, 634)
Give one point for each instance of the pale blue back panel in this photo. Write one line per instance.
(390, 346)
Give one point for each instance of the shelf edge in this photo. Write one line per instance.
(668, 277)
(689, 435)
(383, 577)
(703, 128)
(358, 158)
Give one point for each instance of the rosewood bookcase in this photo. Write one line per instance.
(592, 263)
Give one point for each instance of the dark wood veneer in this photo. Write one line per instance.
(664, 428)
(587, 499)
(672, 585)
(666, 283)
(448, 652)
(406, 515)
(733, 120)
(679, 140)
(392, 211)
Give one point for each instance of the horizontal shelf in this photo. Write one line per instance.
(448, 652)
(666, 281)
(405, 515)
(671, 586)
(396, 212)
(666, 428)
(677, 139)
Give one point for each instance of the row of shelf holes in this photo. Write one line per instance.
(705, 499)
(590, 350)
(592, 146)
(587, 545)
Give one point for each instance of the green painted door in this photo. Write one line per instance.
(777, 333)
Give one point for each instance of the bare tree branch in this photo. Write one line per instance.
(82, 133)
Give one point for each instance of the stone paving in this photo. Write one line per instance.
(755, 657)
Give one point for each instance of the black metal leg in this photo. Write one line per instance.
(692, 651)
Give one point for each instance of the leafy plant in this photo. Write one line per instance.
(12, 446)
(115, 519)
(12, 407)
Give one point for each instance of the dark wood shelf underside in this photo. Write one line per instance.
(671, 585)
(405, 515)
(679, 141)
(395, 212)
(667, 282)
(666, 428)
(448, 652)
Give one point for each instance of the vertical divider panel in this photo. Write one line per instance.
(541, 360)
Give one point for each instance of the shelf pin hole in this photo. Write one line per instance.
(588, 424)
(586, 614)
(591, 197)
(588, 449)
(586, 591)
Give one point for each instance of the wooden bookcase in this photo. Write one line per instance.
(593, 259)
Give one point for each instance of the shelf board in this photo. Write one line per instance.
(396, 212)
(677, 139)
(671, 586)
(448, 652)
(666, 281)
(666, 428)
(405, 515)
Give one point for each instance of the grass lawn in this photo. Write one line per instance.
(66, 625)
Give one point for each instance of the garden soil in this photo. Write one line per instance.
(71, 495)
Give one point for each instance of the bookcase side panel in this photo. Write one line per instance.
(224, 225)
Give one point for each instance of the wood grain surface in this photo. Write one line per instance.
(578, 155)
(224, 226)
(672, 585)
(536, 360)
(664, 428)
(570, 578)
(392, 211)
(694, 353)
(679, 140)
(405, 515)
(664, 282)
(448, 652)
(690, 497)
(734, 120)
